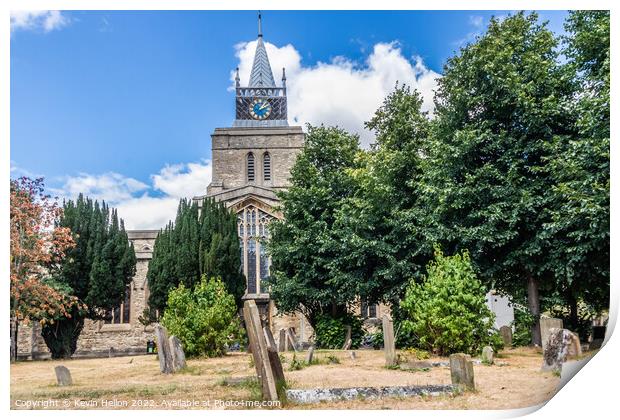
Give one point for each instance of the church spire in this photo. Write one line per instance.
(261, 75)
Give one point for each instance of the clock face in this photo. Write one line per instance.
(260, 109)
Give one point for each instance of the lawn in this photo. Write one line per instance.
(135, 382)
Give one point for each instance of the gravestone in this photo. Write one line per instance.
(269, 337)
(462, 371)
(263, 358)
(310, 355)
(63, 376)
(282, 344)
(163, 350)
(352, 355)
(559, 346)
(274, 357)
(506, 332)
(178, 355)
(545, 325)
(347, 339)
(487, 355)
(388, 341)
(291, 341)
(598, 337)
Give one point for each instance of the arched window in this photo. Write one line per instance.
(250, 166)
(266, 167)
(253, 228)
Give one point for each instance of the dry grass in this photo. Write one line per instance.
(127, 379)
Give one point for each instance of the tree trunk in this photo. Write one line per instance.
(533, 303)
(14, 331)
(574, 312)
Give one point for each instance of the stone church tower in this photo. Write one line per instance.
(252, 161)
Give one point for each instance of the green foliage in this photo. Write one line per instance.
(448, 311)
(296, 364)
(196, 245)
(312, 269)
(203, 318)
(522, 323)
(331, 332)
(333, 360)
(97, 270)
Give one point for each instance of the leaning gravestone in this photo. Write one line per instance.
(310, 355)
(178, 355)
(388, 341)
(163, 350)
(462, 371)
(545, 326)
(598, 337)
(560, 343)
(263, 357)
(506, 332)
(347, 339)
(487, 355)
(290, 334)
(63, 376)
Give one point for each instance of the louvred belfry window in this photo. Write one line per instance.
(253, 230)
(251, 167)
(266, 167)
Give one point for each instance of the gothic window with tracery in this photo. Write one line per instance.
(253, 229)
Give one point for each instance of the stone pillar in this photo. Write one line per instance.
(178, 355)
(462, 371)
(388, 340)
(163, 350)
(545, 326)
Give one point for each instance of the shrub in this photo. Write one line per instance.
(331, 332)
(447, 311)
(204, 319)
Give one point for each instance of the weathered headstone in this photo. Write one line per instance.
(347, 339)
(558, 347)
(462, 371)
(352, 355)
(506, 332)
(310, 355)
(269, 337)
(598, 337)
(282, 344)
(290, 334)
(574, 348)
(347, 345)
(274, 357)
(388, 340)
(163, 350)
(260, 351)
(178, 355)
(63, 376)
(487, 355)
(545, 326)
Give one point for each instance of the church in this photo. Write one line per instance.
(252, 161)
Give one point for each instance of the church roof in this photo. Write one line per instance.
(261, 75)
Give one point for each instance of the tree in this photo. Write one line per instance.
(310, 247)
(97, 270)
(201, 241)
(37, 246)
(578, 210)
(500, 103)
(203, 318)
(447, 311)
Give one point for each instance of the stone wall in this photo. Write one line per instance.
(230, 148)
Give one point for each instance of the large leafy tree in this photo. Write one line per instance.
(579, 166)
(96, 270)
(311, 246)
(37, 246)
(499, 105)
(201, 241)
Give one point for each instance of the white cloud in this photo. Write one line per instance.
(46, 20)
(142, 206)
(342, 92)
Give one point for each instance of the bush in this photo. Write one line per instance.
(448, 312)
(331, 332)
(204, 319)
(523, 328)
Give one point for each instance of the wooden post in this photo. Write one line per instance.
(260, 349)
(388, 341)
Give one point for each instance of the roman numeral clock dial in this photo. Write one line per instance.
(260, 109)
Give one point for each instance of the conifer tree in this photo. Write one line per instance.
(96, 270)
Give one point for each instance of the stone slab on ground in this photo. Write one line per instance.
(63, 376)
(309, 396)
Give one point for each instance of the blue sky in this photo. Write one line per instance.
(120, 105)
